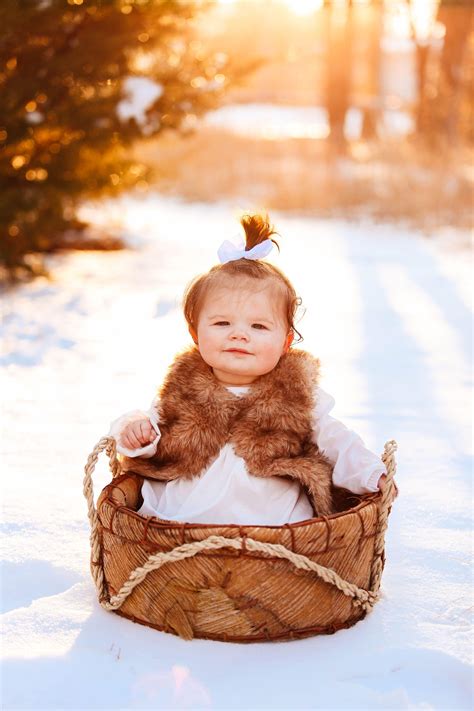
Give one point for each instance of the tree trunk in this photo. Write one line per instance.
(338, 70)
(372, 58)
(457, 19)
(422, 113)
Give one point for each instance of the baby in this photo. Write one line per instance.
(241, 431)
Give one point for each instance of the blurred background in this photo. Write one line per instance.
(352, 108)
(132, 134)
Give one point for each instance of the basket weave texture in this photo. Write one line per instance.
(235, 583)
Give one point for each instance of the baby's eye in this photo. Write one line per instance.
(259, 325)
(221, 323)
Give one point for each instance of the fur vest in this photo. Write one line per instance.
(270, 426)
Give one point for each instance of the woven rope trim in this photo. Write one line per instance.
(360, 597)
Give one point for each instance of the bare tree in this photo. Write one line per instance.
(457, 18)
(441, 76)
(339, 57)
(372, 57)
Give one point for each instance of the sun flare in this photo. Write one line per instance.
(303, 7)
(298, 7)
(420, 13)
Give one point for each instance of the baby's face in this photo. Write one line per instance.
(241, 333)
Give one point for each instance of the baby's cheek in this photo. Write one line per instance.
(267, 349)
(213, 341)
(270, 353)
(272, 345)
(208, 348)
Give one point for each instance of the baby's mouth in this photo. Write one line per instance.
(237, 350)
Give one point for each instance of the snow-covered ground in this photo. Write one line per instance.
(389, 313)
(272, 121)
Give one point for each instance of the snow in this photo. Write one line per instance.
(140, 93)
(389, 314)
(275, 122)
(262, 121)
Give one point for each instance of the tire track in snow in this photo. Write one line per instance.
(439, 347)
(401, 388)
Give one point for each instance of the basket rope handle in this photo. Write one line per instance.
(388, 496)
(110, 446)
(364, 598)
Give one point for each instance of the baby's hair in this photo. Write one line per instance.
(257, 229)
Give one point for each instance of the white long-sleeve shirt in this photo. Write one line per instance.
(226, 493)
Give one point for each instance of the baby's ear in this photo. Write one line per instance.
(288, 342)
(193, 334)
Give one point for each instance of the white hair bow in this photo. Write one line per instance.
(229, 252)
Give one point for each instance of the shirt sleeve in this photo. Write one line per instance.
(118, 425)
(355, 467)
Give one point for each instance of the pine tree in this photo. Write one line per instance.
(65, 66)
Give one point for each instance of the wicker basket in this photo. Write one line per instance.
(235, 583)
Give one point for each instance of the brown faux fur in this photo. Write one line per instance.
(269, 426)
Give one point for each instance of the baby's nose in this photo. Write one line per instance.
(239, 333)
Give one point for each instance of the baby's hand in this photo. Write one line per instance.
(381, 484)
(137, 434)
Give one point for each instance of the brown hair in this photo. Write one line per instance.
(257, 229)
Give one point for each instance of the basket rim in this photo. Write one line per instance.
(366, 500)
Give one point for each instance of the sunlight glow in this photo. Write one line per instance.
(419, 17)
(298, 7)
(170, 688)
(423, 16)
(303, 7)
(402, 19)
